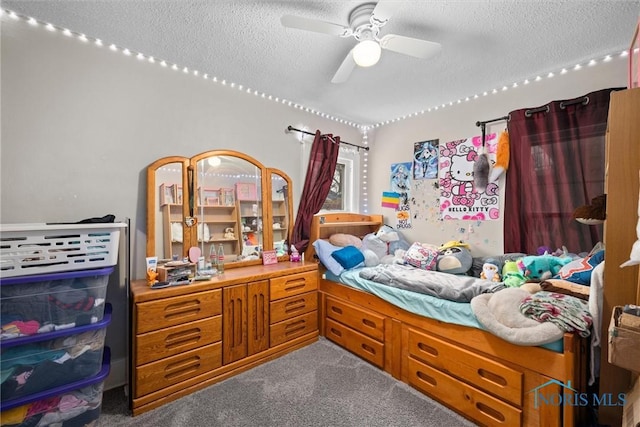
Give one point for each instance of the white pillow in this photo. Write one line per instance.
(324, 250)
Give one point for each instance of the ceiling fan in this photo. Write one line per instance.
(365, 22)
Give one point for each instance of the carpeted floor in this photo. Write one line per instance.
(319, 385)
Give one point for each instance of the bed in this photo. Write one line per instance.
(438, 347)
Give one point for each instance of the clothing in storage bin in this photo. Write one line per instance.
(41, 362)
(48, 302)
(75, 404)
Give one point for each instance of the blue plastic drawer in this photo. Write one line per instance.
(77, 403)
(38, 363)
(43, 303)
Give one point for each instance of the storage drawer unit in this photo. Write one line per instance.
(83, 398)
(178, 310)
(293, 306)
(293, 328)
(293, 284)
(364, 321)
(484, 373)
(356, 342)
(41, 362)
(42, 303)
(467, 399)
(172, 370)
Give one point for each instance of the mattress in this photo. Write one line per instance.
(421, 304)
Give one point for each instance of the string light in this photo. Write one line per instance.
(163, 63)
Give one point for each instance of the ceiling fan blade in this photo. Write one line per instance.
(409, 46)
(383, 11)
(315, 25)
(345, 69)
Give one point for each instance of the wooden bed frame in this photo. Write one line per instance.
(471, 371)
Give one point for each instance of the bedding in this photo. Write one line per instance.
(441, 285)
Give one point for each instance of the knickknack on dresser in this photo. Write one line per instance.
(188, 337)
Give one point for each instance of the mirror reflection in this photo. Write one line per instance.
(218, 200)
(229, 208)
(169, 230)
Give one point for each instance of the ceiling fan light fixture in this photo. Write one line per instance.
(367, 53)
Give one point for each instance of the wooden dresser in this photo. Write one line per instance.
(188, 337)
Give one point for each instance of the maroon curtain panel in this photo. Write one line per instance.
(317, 183)
(557, 163)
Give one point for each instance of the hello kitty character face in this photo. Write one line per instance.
(461, 169)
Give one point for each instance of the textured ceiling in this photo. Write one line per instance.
(485, 45)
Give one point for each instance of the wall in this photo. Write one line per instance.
(81, 123)
(393, 143)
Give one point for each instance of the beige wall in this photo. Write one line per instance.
(393, 143)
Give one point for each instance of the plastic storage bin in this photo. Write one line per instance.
(75, 404)
(41, 303)
(27, 249)
(37, 363)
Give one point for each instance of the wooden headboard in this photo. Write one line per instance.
(324, 225)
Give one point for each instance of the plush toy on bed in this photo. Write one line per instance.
(393, 238)
(542, 267)
(490, 271)
(512, 276)
(454, 257)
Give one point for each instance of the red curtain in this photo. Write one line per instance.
(322, 165)
(556, 165)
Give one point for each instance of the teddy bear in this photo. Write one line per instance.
(228, 233)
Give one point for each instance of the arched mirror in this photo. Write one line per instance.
(216, 199)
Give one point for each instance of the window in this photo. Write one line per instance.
(342, 195)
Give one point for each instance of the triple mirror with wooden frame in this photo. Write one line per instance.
(219, 197)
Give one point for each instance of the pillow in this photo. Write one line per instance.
(579, 270)
(566, 287)
(348, 257)
(342, 240)
(422, 256)
(324, 250)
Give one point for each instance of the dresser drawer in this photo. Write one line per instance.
(177, 339)
(293, 328)
(293, 306)
(174, 311)
(184, 366)
(480, 406)
(367, 322)
(365, 347)
(293, 284)
(482, 372)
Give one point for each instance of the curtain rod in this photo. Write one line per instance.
(290, 128)
(479, 123)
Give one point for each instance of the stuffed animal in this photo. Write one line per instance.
(490, 271)
(228, 233)
(594, 213)
(542, 267)
(502, 157)
(512, 276)
(454, 257)
(393, 238)
(481, 171)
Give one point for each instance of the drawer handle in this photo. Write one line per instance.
(295, 327)
(298, 284)
(296, 305)
(368, 349)
(369, 323)
(182, 367)
(186, 308)
(336, 309)
(494, 378)
(336, 332)
(428, 349)
(427, 378)
(182, 338)
(491, 412)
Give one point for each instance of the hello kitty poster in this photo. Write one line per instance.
(459, 199)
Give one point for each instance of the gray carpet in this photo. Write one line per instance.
(319, 385)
